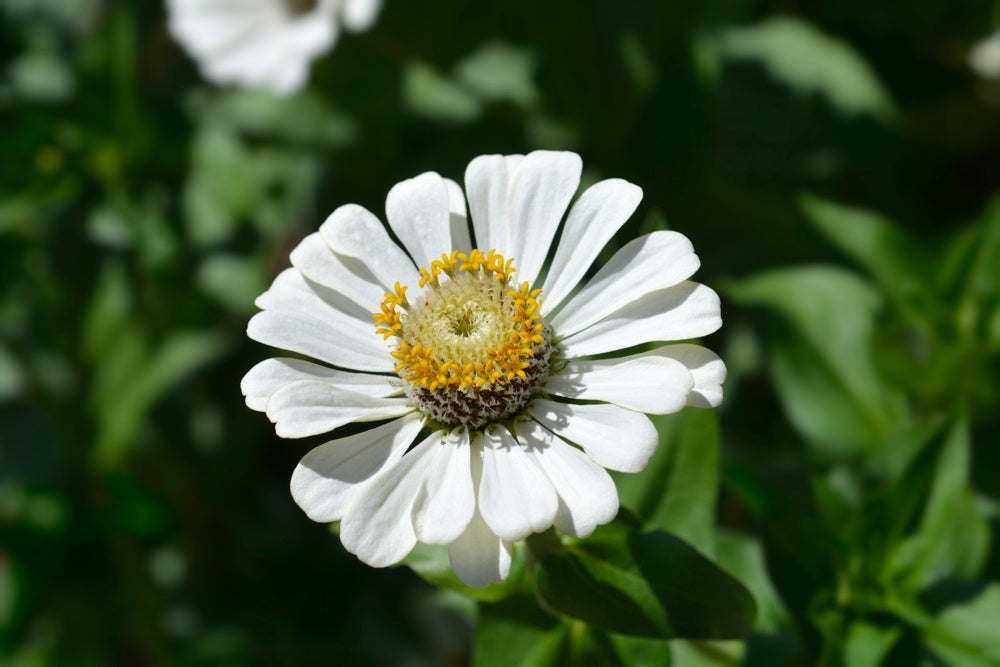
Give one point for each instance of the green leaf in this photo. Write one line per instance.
(41, 75)
(966, 634)
(811, 62)
(894, 258)
(644, 584)
(428, 93)
(107, 313)
(12, 377)
(643, 493)
(433, 564)
(642, 652)
(517, 632)
(592, 648)
(141, 377)
(304, 118)
(687, 506)
(867, 644)
(500, 72)
(821, 360)
(232, 280)
(638, 62)
(707, 653)
(952, 539)
(222, 187)
(678, 489)
(742, 556)
(979, 274)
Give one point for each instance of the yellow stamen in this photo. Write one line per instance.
(474, 331)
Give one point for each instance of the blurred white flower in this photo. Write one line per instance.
(984, 57)
(481, 359)
(266, 44)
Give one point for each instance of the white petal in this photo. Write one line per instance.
(311, 34)
(305, 408)
(595, 217)
(355, 232)
(446, 505)
(317, 262)
(617, 438)
(644, 265)
(359, 15)
(486, 186)
(459, 218)
(540, 190)
(378, 524)
(285, 77)
(252, 43)
(354, 329)
(687, 310)
(202, 31)
(329, 476)
(512, 162)
(515, 497)
(293, 331)
(268, 376)
(478, 557)
(705, 366)
(587, 494)
(418, 212)
(656, 385)
(242, 61)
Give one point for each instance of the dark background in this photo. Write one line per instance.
(144, 511)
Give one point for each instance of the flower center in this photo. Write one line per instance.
(473, 348)
(300, 7)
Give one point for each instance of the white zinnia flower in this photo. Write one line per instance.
(984, 57)
(264, 43)
(472, 358)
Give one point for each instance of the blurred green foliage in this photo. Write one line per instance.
(835, 164)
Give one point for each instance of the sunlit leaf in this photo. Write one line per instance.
(952, 538)
(428, 93)
(867, 644)
(743, 557)
(221, 188)
(811, 62)
(144, 377)
(12, 380)
(821, 359)
(978, 275)
(500, 72)
(901, 266)
(108, 311)
(517, 632)
(644, 584)
(707, 653)
(232, 280)
(966, 634)
(677, 491)
(106, 227)
(305, 117)
(641, 651)
(40, 74)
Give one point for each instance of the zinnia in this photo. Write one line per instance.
(266, 44)
(481, 354)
